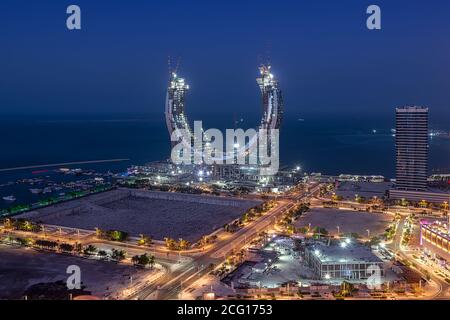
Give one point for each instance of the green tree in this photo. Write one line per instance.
(183, 244)
(102, 254)
(90, 249)
(46, 244)
(152, 261)
(171, 244)
(135, 260)
(66, 247)
(118, 255)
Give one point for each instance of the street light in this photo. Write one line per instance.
(368, 233)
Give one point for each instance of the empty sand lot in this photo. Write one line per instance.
(21, 268)
(156, 214)
(348, 221)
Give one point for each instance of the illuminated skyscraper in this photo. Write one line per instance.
(175, 102)
(411, 139)
(272, 99)
(176, 118)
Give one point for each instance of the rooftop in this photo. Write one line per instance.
(412, 109)
(345, 251)
(440, 228)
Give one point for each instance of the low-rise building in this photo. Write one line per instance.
(435, 238)
(343, 260)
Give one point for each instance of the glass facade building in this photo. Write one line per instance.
(411, 140)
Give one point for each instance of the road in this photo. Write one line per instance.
(187, 270)
(170, 285)
(400, 252)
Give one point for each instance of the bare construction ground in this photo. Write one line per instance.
(158, 214)
(21, 268)
(348, 221)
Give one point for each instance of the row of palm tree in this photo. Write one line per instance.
(143, 260)
(181, 244)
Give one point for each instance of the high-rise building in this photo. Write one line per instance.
(411, 140)
(175, 105)
(272, 99)
(178, 123)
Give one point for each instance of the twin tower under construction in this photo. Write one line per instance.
(272, 102)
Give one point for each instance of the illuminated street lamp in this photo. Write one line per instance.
(368, 233)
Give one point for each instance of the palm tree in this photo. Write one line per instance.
(135, 259)
(423, 203)
(152, 261)
(118, 255)
(66, 247)
(144, 260)
(171, 244)
(90, 249)
(183, 244)
(102, 254)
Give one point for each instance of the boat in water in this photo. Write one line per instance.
(47, 190)
(10, 198)
(36, 191)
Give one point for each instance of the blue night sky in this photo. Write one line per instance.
(321, 51)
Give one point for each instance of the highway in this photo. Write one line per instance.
(170, 285)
